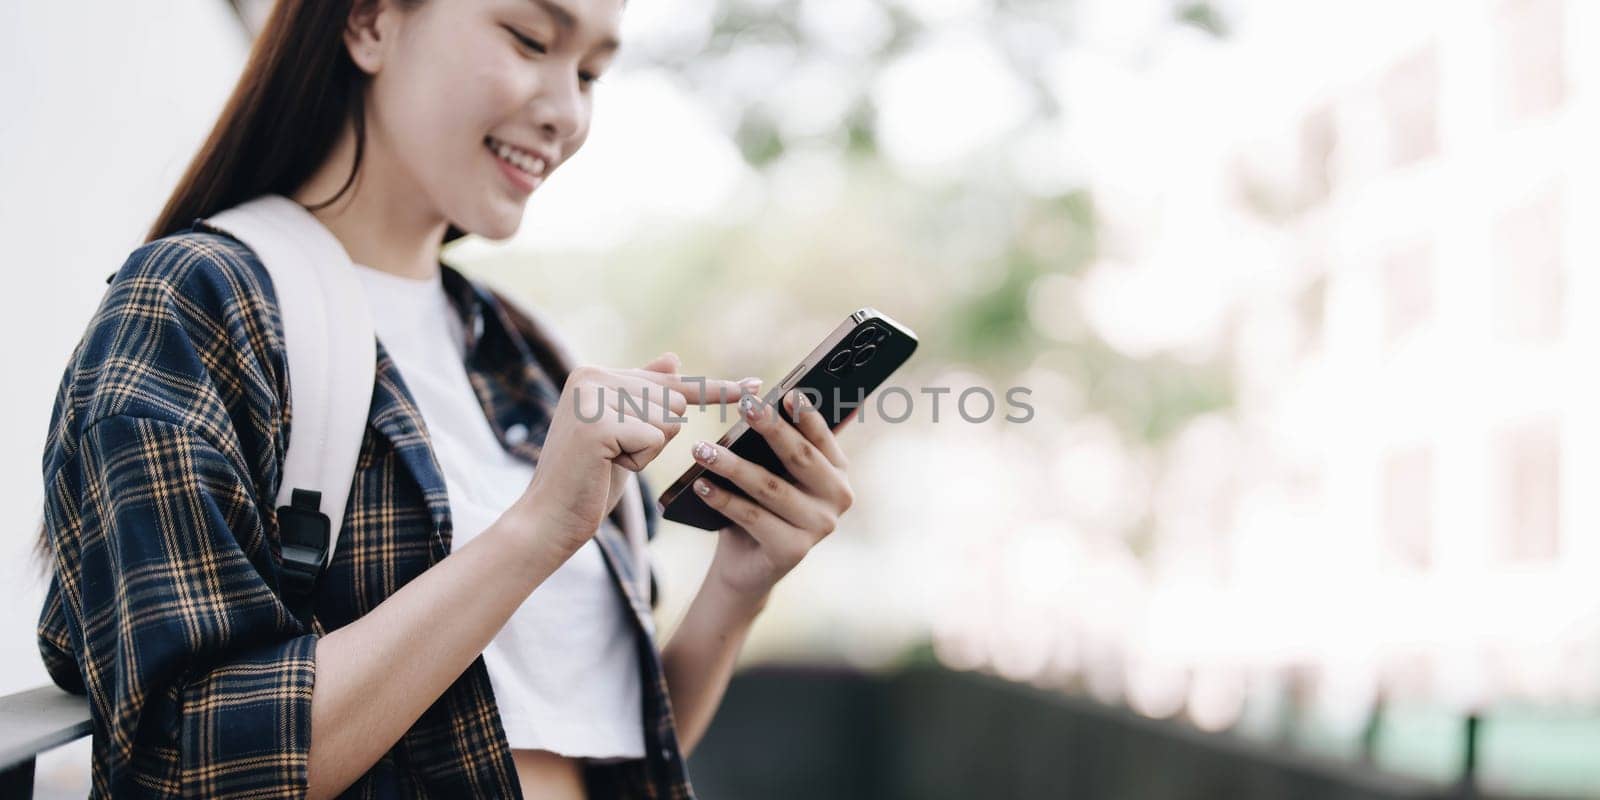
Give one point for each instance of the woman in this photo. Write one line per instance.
(399, 124)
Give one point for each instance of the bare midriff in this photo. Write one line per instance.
(549, 776)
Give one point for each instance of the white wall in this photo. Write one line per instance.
(103, 103)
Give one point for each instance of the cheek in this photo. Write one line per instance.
(501, 87)
(437, 110)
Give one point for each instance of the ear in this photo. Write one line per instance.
(368, 33)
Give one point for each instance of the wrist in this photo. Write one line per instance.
(738, 593)
(528, 534)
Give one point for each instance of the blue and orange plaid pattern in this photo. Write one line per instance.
(160, 466)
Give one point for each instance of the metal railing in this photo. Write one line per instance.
(925, 733)
(32, 722)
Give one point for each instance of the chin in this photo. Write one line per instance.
(495, 225)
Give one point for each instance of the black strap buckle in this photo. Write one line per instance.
(303, 532)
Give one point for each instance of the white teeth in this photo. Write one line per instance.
(532, 165)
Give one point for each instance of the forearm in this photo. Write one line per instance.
(700, 657)
(376, 676)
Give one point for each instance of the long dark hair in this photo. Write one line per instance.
(283, 118)
(298, 88)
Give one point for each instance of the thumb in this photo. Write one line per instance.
(666, 362)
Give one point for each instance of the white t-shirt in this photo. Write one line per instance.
(563, 668)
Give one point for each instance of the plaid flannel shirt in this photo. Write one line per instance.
(160, 468)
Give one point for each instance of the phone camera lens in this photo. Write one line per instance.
(868, 335)
(839, 361)
(865, 354)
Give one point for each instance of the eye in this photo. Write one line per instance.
(525, 41)
(588, 78)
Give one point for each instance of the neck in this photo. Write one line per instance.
(379, 219)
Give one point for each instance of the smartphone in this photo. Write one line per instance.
(837, 376)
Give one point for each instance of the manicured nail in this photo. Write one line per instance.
(750, 385)
(701, 487)
(704, 452)
(751, 407)
(802, 399)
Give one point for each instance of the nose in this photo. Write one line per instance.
(558, 107)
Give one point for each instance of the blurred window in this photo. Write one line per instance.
(1409, 95)
(1528, 281)
(1529, 466)
(1408, 506)
(1530, 59)
(1408, 290)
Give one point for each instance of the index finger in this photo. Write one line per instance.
(698, 388)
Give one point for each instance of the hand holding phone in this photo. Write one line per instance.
(838, 375)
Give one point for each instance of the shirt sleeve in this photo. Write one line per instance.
(199, 677)
(163, 593)
(55, 641)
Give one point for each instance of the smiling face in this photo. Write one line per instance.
(473, 103)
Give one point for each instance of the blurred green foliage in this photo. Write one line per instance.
(982, 323)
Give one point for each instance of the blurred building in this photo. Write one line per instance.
(1427, 421)
(1375, 214)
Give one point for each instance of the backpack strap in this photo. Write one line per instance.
(332, 351)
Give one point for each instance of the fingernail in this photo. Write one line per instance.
(704, 452)
(803, 400)
(701, 487)
(750, 385)
(750, 406)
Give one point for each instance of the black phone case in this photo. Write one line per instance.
(841, 381)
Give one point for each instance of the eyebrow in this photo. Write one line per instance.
(566, 19)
